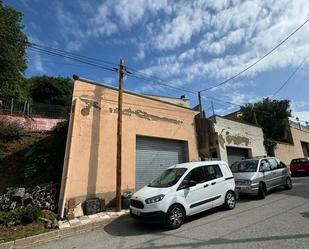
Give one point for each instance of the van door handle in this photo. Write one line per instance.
(206, 185)
(213, 183)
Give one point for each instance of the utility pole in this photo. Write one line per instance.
(119, 136)
(200, 105)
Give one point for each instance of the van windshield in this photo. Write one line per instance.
(245, 166)
(168, 178)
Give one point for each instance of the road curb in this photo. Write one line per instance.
(54, 235)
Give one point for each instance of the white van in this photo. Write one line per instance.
(183, 190)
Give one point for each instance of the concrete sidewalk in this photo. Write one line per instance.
(66, 229)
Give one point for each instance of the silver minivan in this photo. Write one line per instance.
(257, 176)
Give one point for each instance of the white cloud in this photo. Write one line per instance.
(190, 19)
(38, 64)
(302, 115)
(237, 35)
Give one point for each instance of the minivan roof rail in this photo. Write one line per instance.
(257, 157)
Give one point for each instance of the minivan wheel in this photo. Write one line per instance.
(262, 191)
(175, 216)
(288, 183)
(230, 200)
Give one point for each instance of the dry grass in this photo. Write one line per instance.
(18, 232)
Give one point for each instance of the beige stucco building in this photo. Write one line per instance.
(298, 147)
(156, 134)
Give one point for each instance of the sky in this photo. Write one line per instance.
(188, 44)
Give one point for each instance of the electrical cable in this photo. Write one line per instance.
(72, 54)
(71, 58)
(257, 61)
(290, 77)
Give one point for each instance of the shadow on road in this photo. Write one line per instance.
(305, 214)
(300, 188)
(127, 226)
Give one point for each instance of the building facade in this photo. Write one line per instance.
(232, 141)
(298, 147)
(156, 134)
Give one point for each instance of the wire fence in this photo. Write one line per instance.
(14, 107)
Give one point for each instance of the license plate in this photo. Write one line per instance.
(136, 212)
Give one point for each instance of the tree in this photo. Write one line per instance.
(12, 53)
(272, 116)
(51, 90)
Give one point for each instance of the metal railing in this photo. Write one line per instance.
(14, 107)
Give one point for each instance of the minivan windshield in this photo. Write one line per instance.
(168, 178)
(245, 166)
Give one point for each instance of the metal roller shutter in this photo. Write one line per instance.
(235, 154)
(153, 155)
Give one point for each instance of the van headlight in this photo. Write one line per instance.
(247, 182)
(154, 199)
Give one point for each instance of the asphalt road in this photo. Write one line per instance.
(279, 221)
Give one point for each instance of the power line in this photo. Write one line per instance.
(91, 61)
(221, 101)
(159, 83)
(46, 51)
(257, 61)
(291, 76)
(72, 54)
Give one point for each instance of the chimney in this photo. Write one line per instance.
(183, 97)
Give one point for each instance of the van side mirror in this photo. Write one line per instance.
(187, 184)
(263, 167)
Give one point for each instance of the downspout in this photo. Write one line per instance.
(65, 172)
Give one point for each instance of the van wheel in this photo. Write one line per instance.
(262, 191)
(175, 216)
(230, 200)
(288, 183)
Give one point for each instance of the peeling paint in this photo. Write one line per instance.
(229, 139)
(89, 103)
(237, 140)
(145, 115)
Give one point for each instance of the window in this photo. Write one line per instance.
(264, 166)
(300, 160)
(197, 175)
(168, 178)
(212, 172)
(282, 165)
(245, 166)
(273, 163)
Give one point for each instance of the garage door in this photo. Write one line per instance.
(153, 155)
(235, 154)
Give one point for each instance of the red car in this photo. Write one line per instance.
(299, 165)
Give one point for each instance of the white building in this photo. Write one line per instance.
(231, 141)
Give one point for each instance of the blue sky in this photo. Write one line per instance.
(191, 44)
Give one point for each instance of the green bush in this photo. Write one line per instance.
(20, 216)
(10, 130)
